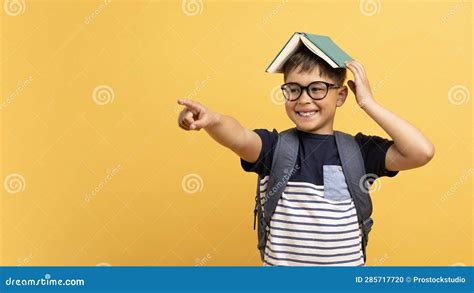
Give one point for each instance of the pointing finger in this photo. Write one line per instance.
(191, 105)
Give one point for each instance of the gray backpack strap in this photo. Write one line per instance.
(354, 171)
(258, 213)
(283, 166)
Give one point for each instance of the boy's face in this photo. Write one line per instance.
(314, 116)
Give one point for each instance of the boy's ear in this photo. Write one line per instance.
(341, 96)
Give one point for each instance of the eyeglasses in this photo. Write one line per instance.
(317, 90)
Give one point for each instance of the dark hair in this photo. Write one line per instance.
(307, 61)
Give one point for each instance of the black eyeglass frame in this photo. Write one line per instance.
(327, 84)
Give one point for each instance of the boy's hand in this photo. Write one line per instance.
(411, 149)
(195, 116)
(222, 128)
(360, 87)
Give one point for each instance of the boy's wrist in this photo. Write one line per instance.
(215, 119)
(367, 103)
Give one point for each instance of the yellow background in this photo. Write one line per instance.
(63, 144)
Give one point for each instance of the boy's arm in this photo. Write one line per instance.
(411, 149)
(222, 128)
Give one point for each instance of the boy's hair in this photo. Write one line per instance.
(307, 61)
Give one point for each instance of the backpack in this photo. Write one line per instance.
(283, 166)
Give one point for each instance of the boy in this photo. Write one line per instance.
(315, 223)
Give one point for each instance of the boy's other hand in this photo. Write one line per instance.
(360, 85)
(195, 116)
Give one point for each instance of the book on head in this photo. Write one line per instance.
(320, 45)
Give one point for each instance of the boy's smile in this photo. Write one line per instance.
(309, 115)
(306, 114)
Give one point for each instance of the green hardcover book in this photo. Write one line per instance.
(320, 45)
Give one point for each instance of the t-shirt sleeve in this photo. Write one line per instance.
(264, 162)
(374, 149)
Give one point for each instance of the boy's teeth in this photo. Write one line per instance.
(306, 113)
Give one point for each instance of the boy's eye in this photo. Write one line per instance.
(292, 89)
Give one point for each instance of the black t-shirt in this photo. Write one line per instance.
(317, 150)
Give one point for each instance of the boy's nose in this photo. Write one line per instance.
(304, 99)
